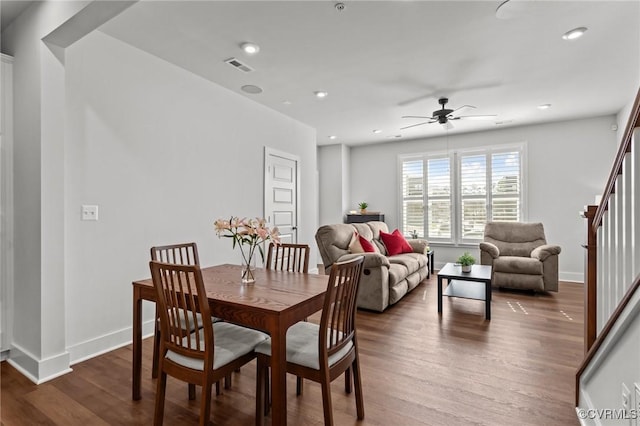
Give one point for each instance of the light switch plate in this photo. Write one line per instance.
(89, 212)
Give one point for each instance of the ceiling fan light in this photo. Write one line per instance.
(574, 33)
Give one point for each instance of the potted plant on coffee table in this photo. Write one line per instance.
(466, 260)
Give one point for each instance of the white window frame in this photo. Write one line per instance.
(456, 196)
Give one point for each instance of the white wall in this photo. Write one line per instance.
(38, 346)
(568, 163)
(163, 153)
(333, 170)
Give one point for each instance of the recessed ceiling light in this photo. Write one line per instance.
(544, 106)
(250, 88)
(320, 94)
(574, 33)
(250, 48)
(377, 131)
(332, 137)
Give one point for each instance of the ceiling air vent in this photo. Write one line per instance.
(239, 65)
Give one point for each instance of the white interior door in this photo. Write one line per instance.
(281, 176)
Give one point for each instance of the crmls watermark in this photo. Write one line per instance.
(608, 414)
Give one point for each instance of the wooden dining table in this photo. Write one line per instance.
(276, 300)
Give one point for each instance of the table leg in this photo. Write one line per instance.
(487, 309)
(439, 294)
(279, 376)
(137, 344)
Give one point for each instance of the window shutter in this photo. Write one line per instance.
(448, 198)
(413, 197)
(439, 198)
(505, 186)
(473, 190)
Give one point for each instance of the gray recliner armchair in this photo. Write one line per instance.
(520, 256)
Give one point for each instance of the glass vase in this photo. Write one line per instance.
(248, 271)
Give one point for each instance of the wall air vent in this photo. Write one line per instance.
(239, 65)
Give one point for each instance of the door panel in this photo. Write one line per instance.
(281, 193)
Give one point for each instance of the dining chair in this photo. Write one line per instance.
(288, 257)
(201, 357)
(181, 254)
(293, 258)
(322, 352)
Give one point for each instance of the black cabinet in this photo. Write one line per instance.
(361, 218)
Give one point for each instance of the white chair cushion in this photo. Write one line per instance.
(302, 346)
(231, 342)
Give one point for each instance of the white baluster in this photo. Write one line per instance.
(618, 247)
(601, 274)
(627, 235)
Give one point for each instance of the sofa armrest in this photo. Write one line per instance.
(544, 251)
(419, 245)
(371, 260)
(490, 249)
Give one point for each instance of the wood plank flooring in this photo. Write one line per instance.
(418, 369)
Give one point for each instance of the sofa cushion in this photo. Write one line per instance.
(411, 261)
(397, 273)
(517, 265)
(395, 243)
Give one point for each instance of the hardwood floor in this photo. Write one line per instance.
(418, 369)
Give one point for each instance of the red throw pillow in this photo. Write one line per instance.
(395, 243)
(366, 245)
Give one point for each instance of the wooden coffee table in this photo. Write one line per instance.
(465, 284)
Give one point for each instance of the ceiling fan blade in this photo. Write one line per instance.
(415, 125)
(478, 117)
(462, 107)
(415, 116)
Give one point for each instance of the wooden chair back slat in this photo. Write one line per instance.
(337, 324)
(180, 297)
(181, 254)
(288, 257)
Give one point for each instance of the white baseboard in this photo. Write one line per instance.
(38, 370)
(574, 277)
(102, 344)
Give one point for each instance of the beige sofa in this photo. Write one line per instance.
(386, 279)
(520, 256)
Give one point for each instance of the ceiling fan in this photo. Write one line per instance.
(444, 115)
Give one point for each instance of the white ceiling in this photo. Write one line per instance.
(380, 60)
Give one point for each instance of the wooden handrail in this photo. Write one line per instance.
(625, 146)
(604, 333)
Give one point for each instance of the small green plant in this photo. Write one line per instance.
(466, 259)
(363, 205)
